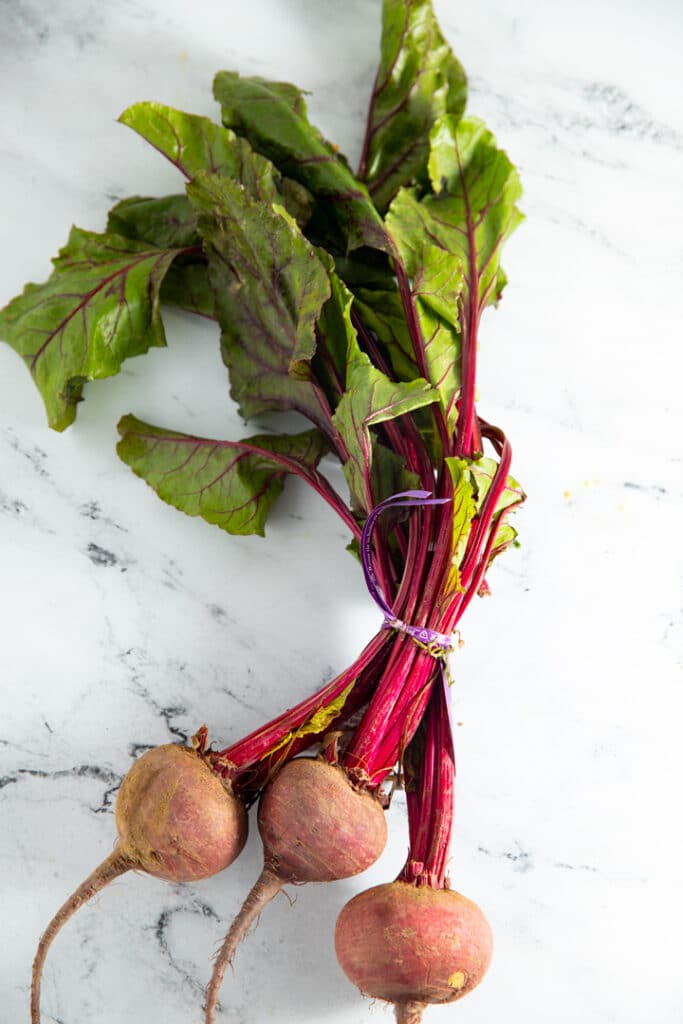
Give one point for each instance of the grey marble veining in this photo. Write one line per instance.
(125, 624)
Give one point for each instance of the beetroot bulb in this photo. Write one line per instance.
(176, 819)
(181, 811)
(316, 826)
(415, 941)
(413, 946)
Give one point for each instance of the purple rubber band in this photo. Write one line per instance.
(439, 643)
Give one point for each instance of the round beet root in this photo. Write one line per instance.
(176, 820)
(315, 827)
(413, 945)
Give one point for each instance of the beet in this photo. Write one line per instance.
(176, 820)
(316, 827)
(413, 945)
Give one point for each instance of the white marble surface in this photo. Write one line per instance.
(126, 624)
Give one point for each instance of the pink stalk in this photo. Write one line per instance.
(402, 695)
(235, 759)
(432, 820)
(464, 446)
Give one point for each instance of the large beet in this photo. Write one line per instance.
(413, 946)
(316, 827)
(176, 820)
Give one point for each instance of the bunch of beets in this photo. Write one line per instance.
(354, 300)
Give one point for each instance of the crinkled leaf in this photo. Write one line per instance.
(437, 284)
(471, 482)
(506, 536)
(166, 223)
(365, 268)
(464, 509)
(99, 306)
(193, 144)
(334, 332)
(187, 285)
(390, 475)
(270, 287)
(381, 311)
(436, 287)
(272, 116)
(230, 483)
(475, 209)
(371, 398)
(418, 81)
(169, 221)
(483, 471)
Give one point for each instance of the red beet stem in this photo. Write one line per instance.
(116, 864)
(258, 744)
(431, 819)
(402, 695)
(464, 445)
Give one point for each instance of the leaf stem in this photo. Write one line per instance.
(464, 447)
(236, 759)
(418, 343)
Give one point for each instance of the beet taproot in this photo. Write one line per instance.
(176, 820)
(413, 945)
(316, 827)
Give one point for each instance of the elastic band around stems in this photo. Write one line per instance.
(430, 640)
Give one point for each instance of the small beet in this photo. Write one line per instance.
(316, 827)
(175, 819)
(413, 946)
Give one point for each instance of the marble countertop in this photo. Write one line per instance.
(125, 624)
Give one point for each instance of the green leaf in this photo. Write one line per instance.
(381, 311)
(187, 286)
(483, 471)
(471, 482)
(99, 306)
(437, 285)
(365, 268)
(320, 720)
(390, 475)
(334, 332)
(270, 287)
(506, 536)
(232, 484)
(418, 81)
(193, 144)
(272, 116)
(371, 398)
(164, 222)
(475, 209)
(465, 507)
(450, 244)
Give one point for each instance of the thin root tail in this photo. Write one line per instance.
(116, 864)
(267, 886)
(410, 1012)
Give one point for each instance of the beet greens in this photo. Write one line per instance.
(355, 301)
